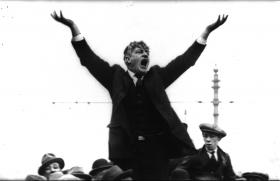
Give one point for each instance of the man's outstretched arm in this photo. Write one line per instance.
(183, 62)
(99, 68)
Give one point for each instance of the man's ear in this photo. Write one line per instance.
(127, 60)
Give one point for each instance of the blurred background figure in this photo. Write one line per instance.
(99, 167)
(179, 174)
(51, 168)
(116, 173)
(34, 178)
(79, 173)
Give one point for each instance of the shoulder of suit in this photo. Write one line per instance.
(117, 67)
(223, 153)
(200, 151)
(154, 67)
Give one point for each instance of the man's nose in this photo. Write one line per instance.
(145, 55)
(208, 138)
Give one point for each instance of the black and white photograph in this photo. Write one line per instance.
(139, 90)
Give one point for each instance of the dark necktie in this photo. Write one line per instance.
(212, 157)
(139, 81)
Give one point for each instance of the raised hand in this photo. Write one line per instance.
(213, 26)
(67, 22)
(220, 21)
(62, 19)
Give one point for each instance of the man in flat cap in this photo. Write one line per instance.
(210, 162)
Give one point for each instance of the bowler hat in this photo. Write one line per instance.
(213, 129)
(47, 159)
(255, 175)
(116, 173)
(99, 165)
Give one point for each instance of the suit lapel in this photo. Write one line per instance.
(121, 86)
(127, 81)
(221, 157)
(205, 155)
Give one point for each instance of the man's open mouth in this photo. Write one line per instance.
(144, 62)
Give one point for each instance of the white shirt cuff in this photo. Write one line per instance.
(201, 40)
(79, 37)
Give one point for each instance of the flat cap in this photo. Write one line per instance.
(212, 129)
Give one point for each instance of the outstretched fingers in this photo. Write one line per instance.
(60, 18)
(65, 21)
(61, 15)
(223, 20)
(220, 21)
(55, 16)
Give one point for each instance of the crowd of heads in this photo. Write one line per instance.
(52, 167)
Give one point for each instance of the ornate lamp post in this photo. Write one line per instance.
(216, 98)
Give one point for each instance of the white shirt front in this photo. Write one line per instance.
(215, 154)
(132, 75)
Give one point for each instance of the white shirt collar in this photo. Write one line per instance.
(132, 75)
(215, 153)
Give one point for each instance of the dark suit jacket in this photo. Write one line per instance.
(117, 81)
(198, 166)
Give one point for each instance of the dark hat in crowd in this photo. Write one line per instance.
(255, 176)
(212, 129)
(47, 159)
(116, 173)
(99, 165)
(34, 178)
(79, 172)
(180, 174)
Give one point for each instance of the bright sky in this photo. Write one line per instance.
(38, 67)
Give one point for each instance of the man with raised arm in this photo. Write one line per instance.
(144, 131)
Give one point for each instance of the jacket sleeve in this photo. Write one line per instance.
(180, 64)
(99, 68)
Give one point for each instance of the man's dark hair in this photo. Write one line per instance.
(133, 45)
